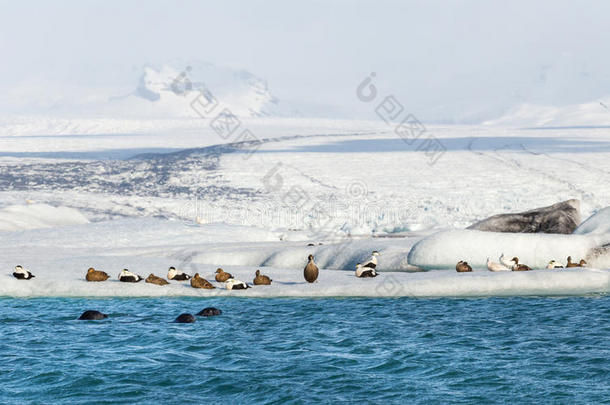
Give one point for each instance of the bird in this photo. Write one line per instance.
(152, 279)
(127, 276)
(233, 284)
(504, 260)
(96, 275)
(493, 266)
(173, 274)
(579, 264)
(462, 267)
(519, 266)
(311, 270)
(372, 261)
(260, 279)
(365, 272)
(554, 265)
(22, 274)
(200, 282)
(222, 276)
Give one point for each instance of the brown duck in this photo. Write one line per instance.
(199, 282)
(222, 276)
(582, 263)
(462, 267)
(519, 266)
(96, 275)
(152, 279)
(311, 270)
(261, 279)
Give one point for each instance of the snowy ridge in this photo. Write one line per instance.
(593, 114)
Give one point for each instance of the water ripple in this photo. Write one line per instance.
(300, 351)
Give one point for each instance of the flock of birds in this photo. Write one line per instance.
(515, 265)
(310, 273)
(368, 269)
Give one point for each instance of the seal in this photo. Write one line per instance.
(260, 279)
(185, 318)
(209, 311)
(199, 282)
(127, 276)
(92, 316)
(311, 270)
(222, 276)
(152, 279)
(96, 275)
(462, 267)
(22, 274)
(173, 274)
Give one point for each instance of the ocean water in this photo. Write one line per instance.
(493, 350)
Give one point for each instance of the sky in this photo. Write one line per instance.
(445, 61)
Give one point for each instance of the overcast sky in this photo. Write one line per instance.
(444, 60)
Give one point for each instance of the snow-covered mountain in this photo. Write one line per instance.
(161, 91)
(171, 90)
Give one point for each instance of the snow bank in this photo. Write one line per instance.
(445, 249)
(598, 223)
(19, 217)
(331, 283)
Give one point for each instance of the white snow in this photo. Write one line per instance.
(200, 210)
(445, 249)
(32, 216)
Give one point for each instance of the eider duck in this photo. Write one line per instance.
(462, 267)
(96, 275)
(371, 263)
(493, 266)
(311, 270)
(365, 272)
(260, 279)
(127, 276)
(152, 279)
(22, 274)
(519, 266)
(233, 284)
(222, 276)
(579, 264)
(504, 260)
(554, 265)
(200, 282)
(173, 274)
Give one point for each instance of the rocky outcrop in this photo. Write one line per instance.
(561, 218)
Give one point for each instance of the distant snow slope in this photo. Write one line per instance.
(33, 216)
(593, 114)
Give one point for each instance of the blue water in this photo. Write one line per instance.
(550, 350)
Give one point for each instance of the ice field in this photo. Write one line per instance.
(105, 193)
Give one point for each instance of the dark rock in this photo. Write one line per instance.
(561, 218)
